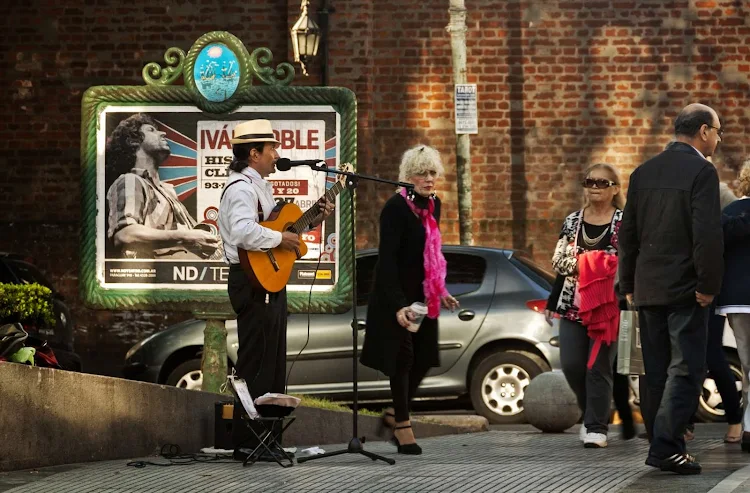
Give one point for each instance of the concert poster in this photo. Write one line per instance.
(147, 227)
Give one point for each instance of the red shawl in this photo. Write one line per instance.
(598, 307)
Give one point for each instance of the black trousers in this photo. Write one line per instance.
(593, 388)
(261, 356)
(621, 394)
(405, 382)
(674, 342)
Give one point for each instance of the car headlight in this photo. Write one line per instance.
(138, 346)
(133, 350)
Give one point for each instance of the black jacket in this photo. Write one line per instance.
(671, 242)
(399, 274)
(735, 289)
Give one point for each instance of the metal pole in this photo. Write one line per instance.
(323, 14)
(457, 30)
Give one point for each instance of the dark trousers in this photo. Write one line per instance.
(718, 368)
(405, 382)
(621, 395)
(593, 388)
(261, 356)
(674, 342)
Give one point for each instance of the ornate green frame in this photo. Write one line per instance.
(160, 89)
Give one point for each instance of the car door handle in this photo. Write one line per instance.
(466, 315)
(361, 324)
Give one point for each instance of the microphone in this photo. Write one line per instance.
(284, 164)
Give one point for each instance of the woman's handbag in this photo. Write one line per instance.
(629, 352)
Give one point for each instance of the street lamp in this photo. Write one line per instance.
(305, 37)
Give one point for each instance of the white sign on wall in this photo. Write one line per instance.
(467, 121)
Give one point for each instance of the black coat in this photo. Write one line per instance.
(397, 283)
(671, 241)
(735, 289)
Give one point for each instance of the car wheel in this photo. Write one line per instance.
(498, 384)
(188, 375)
(710, 408)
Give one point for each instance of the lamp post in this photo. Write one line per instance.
(323, 14)
(305, 37)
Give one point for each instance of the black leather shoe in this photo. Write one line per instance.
(681, 464)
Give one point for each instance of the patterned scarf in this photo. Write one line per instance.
(434, 261)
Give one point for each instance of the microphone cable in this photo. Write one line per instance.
(307, 341)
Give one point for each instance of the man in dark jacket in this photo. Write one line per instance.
(671, 262)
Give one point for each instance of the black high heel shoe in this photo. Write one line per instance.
(409, 448)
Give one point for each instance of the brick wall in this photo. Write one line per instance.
(562, 84)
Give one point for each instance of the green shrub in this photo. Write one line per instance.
(29, 304)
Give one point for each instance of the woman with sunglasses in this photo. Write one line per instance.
(594, 227)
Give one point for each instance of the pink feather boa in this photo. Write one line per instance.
(434, 261)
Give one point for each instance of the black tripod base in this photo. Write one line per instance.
(355, 447)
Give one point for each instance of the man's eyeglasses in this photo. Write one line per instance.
(719, 130)
(598, 183)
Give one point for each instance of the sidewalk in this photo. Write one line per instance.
(506, 461)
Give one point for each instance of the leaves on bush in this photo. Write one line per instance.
(26, 303)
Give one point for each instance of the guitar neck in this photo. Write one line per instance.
(307, 218)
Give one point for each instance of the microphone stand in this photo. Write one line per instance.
(355, 444)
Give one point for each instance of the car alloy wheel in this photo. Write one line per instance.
(710, 406)
(191, 381)
(186, 375)
(498, 383)
(503, 388)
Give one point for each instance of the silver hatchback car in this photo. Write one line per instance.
(490, 349)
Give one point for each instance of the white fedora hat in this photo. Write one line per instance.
(253, 131)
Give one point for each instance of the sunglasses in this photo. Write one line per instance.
(598, 183)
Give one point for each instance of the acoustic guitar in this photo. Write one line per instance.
(270, 269)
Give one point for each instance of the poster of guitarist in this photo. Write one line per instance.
(146, 220)
(161, 171)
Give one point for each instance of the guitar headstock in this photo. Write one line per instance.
(346, 167)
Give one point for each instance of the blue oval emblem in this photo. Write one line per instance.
(216, 72)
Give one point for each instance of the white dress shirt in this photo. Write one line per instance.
(699, 152)
(238, 214)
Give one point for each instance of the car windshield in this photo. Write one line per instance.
(27, 273)
(542, 277)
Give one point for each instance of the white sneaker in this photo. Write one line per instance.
(595, 440)
(582, 433)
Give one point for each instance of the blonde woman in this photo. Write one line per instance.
(411, 268)
(734, 298)
(594, 227)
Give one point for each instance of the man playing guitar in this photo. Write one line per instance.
(261, 315)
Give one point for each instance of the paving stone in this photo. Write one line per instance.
(504, 461)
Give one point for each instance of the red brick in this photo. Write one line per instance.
(586, 81)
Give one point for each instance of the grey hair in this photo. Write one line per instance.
(418, 160)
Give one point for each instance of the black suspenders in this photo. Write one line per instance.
(261, 216)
